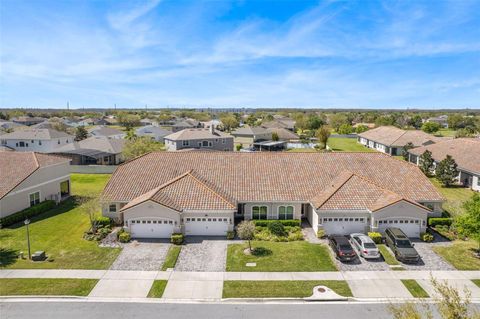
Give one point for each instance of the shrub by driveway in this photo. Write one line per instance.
(271, 256)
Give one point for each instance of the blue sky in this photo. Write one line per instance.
(389, 54)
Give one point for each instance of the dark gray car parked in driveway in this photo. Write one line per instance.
(401, 245)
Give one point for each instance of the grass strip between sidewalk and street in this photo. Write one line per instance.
(157, 289)
(476, 282)
(46, 287)
(415, 289)
(281, 289)
(172, 257)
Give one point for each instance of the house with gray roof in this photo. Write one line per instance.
(248, 135)
(28, 120)
(95, 150)
(199, 138)
(43, 140)
(154, 132)
(107, 132)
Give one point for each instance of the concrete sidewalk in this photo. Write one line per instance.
(209, 285)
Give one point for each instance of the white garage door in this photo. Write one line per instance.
(151, 228)
(344, 226)
(411, 227)
(206, 226)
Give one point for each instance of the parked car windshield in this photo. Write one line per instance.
(403, 243)
(345, 247)
(369, 245)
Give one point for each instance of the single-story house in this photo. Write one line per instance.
(154, 132)
(199, 138)
(465, 152)
(95, 150)
(284, 134)
(148, 122)
(107, 132)
(391, 140)
(43, 140)
(442, 120)
(203, 193)
(28, 178)
(284, 123)
(28, 120)
(248, 135)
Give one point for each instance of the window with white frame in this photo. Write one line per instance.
(259, 212)
(285, 212)
(34, 198)
(112, 208)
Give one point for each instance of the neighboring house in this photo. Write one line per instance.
(286, 123)
(8, 125)
(215, 123)
(36, 140)
(247, 135)
(465, 152)
(155, 132)
(284, 134)
(368, 125)
(442, 120)
(28, 178)
(182, 125)
(27, 120)
(95, 150)
(148, 122)
(391, 140)
(199, 138)
(107, 132)
(202, 193)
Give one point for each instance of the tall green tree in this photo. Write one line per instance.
(140, 146)
(229, 122)
(446, 171)
(336, 120)
(468, 224)
(323, 134)
(416, 121)
(426, 162)
(80, 133)
(405, 150)
(345, 129)
(430, 127)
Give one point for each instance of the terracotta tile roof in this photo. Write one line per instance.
(186, 192)
(266, 176)
(196, 134)
(465, 151)
(17, 166)
(393, 136)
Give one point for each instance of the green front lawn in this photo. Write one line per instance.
(446, 132)
(414, 288)
(60, 233)
(52, 287)
(157, 289)
(460, 254)
(343, 144)
(281, 289)
(274, 256)
(172, 257)
(455, 196)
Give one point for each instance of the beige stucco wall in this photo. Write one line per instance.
(46, 180)
(272, 209)
(151, 209)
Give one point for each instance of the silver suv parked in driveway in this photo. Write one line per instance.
(364, 245)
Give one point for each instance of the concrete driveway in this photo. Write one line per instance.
(142, 255)
(203, 254)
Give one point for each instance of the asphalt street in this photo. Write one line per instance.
(116, 310)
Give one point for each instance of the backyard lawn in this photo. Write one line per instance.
(343, 144)
(455, 196)
(460, 254)
(283, 256)
(279, 289)
(53, 287)
(60, 233)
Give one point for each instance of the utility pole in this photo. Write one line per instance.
(68, 105)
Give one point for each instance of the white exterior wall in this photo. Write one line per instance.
(344, 214)
(272, 209)
(45, 180)
(47, 146)
(401, 209)
(218, 144)
(476, 182)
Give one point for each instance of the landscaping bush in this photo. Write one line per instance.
(230, 235)
(376, 237)
(286, 222)
(437, 221)
(124, 237)
(27, 213)
(445, 231)
(276, 228)
(321, 233)
(176, 239)
(426, 237)
(102, 221)
(294, 236)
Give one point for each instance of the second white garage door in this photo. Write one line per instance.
(411, 227)
(203, 226)
(151, 228)
(344, 226)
